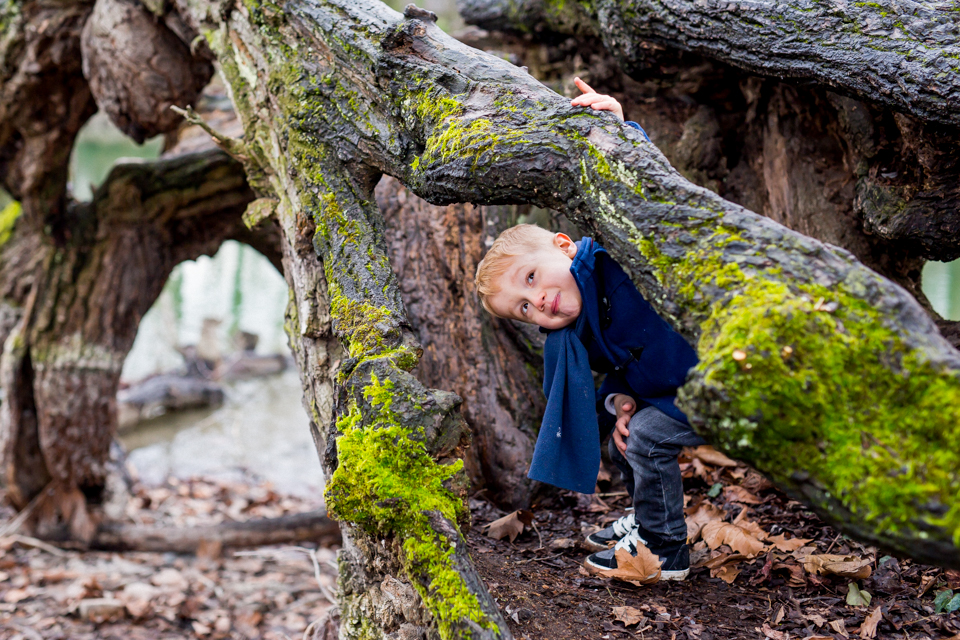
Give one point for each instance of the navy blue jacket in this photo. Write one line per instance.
(626, 339)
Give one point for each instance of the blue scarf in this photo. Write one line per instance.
(567, 453)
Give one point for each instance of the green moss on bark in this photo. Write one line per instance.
(841, 397)
(386, 482)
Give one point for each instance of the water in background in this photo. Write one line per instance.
(262, 427)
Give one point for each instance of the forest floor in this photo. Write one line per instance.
(273, 593)
(771, 570)
(780, 574)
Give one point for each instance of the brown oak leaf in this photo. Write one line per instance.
(627, 615)
(643, 568)
(843, 566)
(510, 525)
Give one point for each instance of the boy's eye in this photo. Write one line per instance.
(530, 278)
(524, 307)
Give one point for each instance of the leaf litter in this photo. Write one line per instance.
(762, 566)
(268, 593)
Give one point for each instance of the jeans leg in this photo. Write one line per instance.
(626, 471)
(654, 443)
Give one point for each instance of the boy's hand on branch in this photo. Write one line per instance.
(626, 407)
(594, 100)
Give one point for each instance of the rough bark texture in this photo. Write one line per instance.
(44, 101)
(903, 166)
(903, 55)
(455, 125)
(137, 66)
(493, 364)
(73, 311)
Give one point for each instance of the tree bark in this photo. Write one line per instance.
(73, 311)
(494, 365)
(897, 123)
(902, 56)
(455, 125)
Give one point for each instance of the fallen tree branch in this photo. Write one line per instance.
(312, 526)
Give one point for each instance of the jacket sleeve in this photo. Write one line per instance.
(631, 123)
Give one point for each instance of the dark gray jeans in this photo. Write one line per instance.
(652, 474)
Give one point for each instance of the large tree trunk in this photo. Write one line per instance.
(76, 278)
(494, 365)
(73, 311)
(826, 376)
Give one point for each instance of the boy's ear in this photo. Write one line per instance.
(565, 244)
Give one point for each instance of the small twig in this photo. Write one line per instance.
(537, 559)
(21, 517)
(39, 544)
(534, 524)
(234, 147)
(332, 599)
(835, 540)
(612, 494)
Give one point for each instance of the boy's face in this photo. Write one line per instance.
(539, 288)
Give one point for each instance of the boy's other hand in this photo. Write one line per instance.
(626, 407)
(594, 100)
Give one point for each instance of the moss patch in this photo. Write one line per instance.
(373, 489)
(839, 394)
(8, 218)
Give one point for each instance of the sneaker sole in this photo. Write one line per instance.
(593, 568)
(596, 546)
(677, 576)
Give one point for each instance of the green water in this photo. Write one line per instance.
(97, 149)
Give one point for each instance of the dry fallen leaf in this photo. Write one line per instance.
(704, 513)
(737, 536)
(781, 543)
(728, 573)
(771, 633)
(627, 615)
(869, 627)
(722, 559)
(709, 455)
(16, 595)
(816, 619)
(510, 525)
(562, 543)
(839, 627)
(844, 566)
(736, 493)
(643, 568)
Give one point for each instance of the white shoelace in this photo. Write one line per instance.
(624, 525)
(629, 541)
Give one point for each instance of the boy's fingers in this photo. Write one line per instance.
(588, 99)
(583, 86)
(605, 105)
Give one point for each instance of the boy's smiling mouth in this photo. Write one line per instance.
(556, 304)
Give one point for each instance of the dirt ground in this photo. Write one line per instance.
(540, 587)
(745, 587)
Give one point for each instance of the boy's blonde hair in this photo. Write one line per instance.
(515, 241)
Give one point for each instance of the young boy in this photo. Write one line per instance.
(596, 319)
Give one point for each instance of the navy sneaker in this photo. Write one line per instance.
(674, 557)
(606, 538)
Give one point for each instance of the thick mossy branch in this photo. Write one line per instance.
(903, 56)
(461, 125)
(831, 383)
